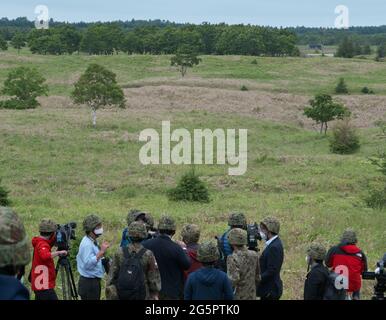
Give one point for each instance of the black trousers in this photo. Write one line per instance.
(89, 288)
(49, 294)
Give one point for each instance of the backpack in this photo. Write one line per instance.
(331, 292)
(130, 283)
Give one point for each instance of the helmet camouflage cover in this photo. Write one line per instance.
(14, 245)
(149, 220)
(90, 222)
(190, 233)
(47, 226)
(238, 237)
(316, 251)
(167, 223)
(208, 252)
(349, 236)
(137, 230)
(272, 224)
(133, 215)
(237, 220)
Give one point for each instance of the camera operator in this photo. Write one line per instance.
(43, 274)
(89, 259)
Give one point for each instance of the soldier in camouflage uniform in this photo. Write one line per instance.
(235, 220)
(243, 266)
(133, 215)
(14, 256)
(190, 234)
(138, 233)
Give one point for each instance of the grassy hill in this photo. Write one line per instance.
(57, 165)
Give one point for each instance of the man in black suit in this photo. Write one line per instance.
(172, 259)
(271, 260)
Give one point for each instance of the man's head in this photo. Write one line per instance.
(92, 225)
(208, 253)
(349, 236)
(47, 228)
(237, 238)
(137, 231)
(190, 234)
(270, 226)
(14, 245)
(237, 220)
(316, 252)
(167, 225)
(135, 215)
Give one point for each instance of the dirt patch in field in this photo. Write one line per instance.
(281, 107)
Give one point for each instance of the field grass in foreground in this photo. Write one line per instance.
(57, 166)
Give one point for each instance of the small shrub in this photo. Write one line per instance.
(341, 88)
(254, 61)
(244, 88)
(366, 90)
(344, 138)
(189, 188)
(18, 104)
(4, 201)
(376, 199)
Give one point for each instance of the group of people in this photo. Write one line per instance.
(150, 265)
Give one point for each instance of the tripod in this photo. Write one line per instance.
(67, 277)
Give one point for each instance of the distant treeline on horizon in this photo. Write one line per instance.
(165, 37)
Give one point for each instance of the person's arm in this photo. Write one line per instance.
(183, 259)
(111, 290)
(258, 271)
(364, 262)
(228, 291)
(153, 276)
(44, 252)
(88, 257)
(233, 270)
(273, 264)
(329, 256)
(188, 289)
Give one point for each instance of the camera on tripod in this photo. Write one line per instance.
(380, 276)
(253, 232)
(64, 234)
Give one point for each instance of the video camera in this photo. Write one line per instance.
(380, 276)
(64, 234)
(253, 232)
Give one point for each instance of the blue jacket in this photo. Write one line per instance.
(271, 260)
(208, 284)
(125, 241)
(12, 289)
(226, 247)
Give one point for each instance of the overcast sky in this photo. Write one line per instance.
(261, 12)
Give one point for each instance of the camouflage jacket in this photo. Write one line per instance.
(244, 272)
(151, 273)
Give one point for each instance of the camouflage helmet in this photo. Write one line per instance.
(14, 245)
(167, 223)
(316, 251)
(149, 220)
(237, 219)
(190, 233)
(272, 224)
(47, 226)
(238, 237)
(349, 237)
(137, 230)
(90, 222)
(133, 215)
(208, 252)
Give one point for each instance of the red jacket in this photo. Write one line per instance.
(353, 258)
(192, 253)
(45, 263)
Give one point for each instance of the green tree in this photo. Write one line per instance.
(184, 59)
(3, 43)
(24, 85)
(18, 41)
(346, 49)
(323, 109)
(98, 87)
(341, 87)
(381, 52)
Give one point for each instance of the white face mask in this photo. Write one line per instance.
(98, 232)
(263, 236)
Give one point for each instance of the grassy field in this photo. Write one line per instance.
(57, 165)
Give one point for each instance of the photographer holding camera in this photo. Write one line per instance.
(43, 274)
(89, 259)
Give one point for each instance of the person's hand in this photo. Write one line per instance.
(104, 246)
(62, 253)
